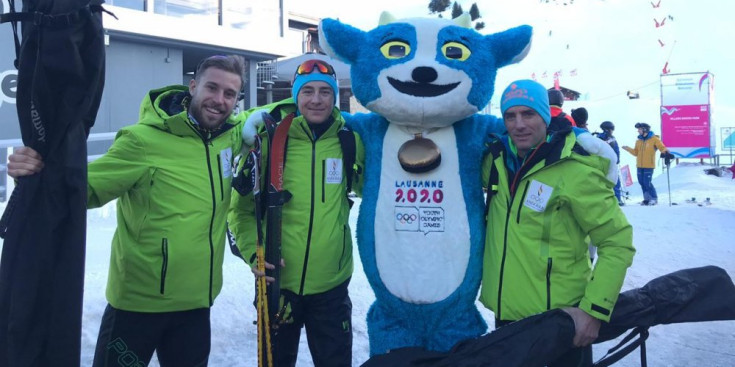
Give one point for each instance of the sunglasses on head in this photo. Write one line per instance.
(308, 67)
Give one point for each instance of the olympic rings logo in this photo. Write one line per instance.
(406, 218)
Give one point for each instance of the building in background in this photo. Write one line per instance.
(154, 43)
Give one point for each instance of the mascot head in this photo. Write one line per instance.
(423, 72)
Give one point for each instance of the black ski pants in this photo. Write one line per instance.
(575, 357)
(327, 318)
(128, 339)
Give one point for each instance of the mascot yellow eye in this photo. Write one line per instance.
(395, 49)
(456, 51)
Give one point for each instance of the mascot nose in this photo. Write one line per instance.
(424, 74)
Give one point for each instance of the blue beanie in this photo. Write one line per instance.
(527, 93)
(300, 80)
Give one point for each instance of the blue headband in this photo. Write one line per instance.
(527, 93)
(300, 80)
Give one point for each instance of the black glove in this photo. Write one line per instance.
(667, 157)
(243, 182)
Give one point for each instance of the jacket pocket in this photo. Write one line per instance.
(164, 263)
(549, 263)
(523, 199)
(221, 178)
(342, 259)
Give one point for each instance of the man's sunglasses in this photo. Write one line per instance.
(308, 67)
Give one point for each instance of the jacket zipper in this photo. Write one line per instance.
(502, 260)
(324, 178)
(507, 223)
(164, 263)
(211, 221)
(311, 218)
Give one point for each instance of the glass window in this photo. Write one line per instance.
(130, 4)
(204, 11)
(257, 16)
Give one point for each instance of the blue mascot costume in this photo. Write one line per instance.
(421, 225)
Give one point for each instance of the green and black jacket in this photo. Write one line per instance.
(173, 185)
(316, 240)
(536, 257)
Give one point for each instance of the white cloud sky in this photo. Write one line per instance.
(612, 44)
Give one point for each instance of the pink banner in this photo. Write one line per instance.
(686, 127)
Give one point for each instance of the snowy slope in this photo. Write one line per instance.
(667, 239)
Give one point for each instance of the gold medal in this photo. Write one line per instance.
(419, 155)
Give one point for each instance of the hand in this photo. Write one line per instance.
(586, 327)
(258, 273)
(24, 162)
(626, 147)
(250, 129)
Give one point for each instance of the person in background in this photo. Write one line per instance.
(645, 153)
(607, 135)
(559, 119)
(544, 198)
(580, 115)
(168, 173)
(316, 243)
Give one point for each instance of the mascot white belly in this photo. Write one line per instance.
(422, 249)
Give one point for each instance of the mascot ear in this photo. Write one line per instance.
(340, 41)
(511, 46)
(386, 18)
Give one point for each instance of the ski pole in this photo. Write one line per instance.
(668, 178)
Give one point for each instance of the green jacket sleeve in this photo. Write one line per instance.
(118, 171)
(241, 220)
(597, 212)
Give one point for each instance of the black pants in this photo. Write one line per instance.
(575, 357)
(328, 320)
(180, 339)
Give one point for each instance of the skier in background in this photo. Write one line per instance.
(645, 153)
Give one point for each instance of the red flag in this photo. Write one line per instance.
(625, 176)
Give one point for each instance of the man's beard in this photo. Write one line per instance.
(205, 124)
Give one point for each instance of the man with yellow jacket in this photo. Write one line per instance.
(645, 153)
(545, 195)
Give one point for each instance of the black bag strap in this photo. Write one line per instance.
(494, 179)
(349, 151)
(625, 347)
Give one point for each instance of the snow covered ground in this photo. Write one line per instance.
(668, 238)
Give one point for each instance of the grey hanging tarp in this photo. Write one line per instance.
(60, 78)
(689, 295)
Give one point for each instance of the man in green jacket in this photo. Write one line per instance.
(171, 173)
(316, 243)
(545, 197)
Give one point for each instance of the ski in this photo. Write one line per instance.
(269, 205)
(265, 350)
(276, 197)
